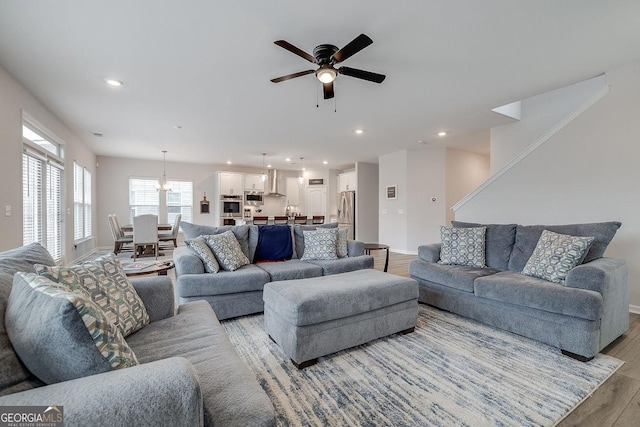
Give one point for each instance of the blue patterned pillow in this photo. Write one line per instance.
(319, 245)
(463, 246)
(200, 248)
(227, 250)
(555, 255)
(341, 240)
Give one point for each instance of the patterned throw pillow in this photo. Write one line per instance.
(319, 245)
(54, 356)
(463, 246)
(199, 247)
(105, 282)
(556, 254)
(227, 250)
(341, 240)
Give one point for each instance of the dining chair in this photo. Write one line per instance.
(300, 220)
(317, 219)
(260, 220)
(280, 219)
(119, 239)
(145, 233)
(173, 235)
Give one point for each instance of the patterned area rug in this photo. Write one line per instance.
(451, 371)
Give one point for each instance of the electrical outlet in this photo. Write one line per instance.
(7, 210)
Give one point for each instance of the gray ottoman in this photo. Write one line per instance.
(309, 318)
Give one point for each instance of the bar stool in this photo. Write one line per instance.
(317, 219)
(260, 220)
(280, 219)
(300, 220)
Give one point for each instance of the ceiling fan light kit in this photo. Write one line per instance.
(326, 56)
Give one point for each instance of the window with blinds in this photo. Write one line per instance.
(42, 189)
(143, 197)
(81, 202)
(180, 201)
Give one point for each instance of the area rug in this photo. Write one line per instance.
(451, 371)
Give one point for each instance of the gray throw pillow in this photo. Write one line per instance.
(555, 255)
(200, 248)
(61, 335)
(463, 246)
(298, 236)
(191, 231)
(341, 240)
(227, 250)
(319, 245)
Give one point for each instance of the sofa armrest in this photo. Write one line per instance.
(187, 262)
(157, 295)
(165, 392)
(355, 248)
(430, 253)
(602, 275)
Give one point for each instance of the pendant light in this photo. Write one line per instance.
(301, 177)
(264, 174)
(164, 185)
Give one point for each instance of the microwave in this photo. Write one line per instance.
(253, 198)
(231, 207)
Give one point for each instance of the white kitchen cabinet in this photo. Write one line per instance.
(293, 191)
(253, 182)
(231, 184)
(347, 181)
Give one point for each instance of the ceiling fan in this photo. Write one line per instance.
(326, 56)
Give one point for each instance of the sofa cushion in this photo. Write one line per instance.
(462, 246)
(319, 245)
(199, 248)
(298, 235)
(291, 269)
(245, 279)
(459, 277)
(343, 265)
(514, 288)
(527, 237)
(23, 259)
(61, 335)
(499, 241)
(227, 250)
(191, 231)
(556, 254)
(274, 243)
(104, 281)
(231, 395)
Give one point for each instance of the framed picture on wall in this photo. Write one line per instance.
(392, 192)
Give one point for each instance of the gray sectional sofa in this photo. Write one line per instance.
(238, 293)
(189, 372)
(580, 317)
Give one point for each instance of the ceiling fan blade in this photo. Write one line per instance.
(292, 76)
(328, 90)
(291, 48)
(355, 46)
(361, 74)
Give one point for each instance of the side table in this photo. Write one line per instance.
(159, 267)
(368, 247)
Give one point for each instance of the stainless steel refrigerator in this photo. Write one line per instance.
(347, 213)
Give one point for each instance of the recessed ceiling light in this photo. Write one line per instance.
(442, 133)
(268, 166)
(114, 82)
(178, 127)
(287, 159)
(359, 131)
(228, 162)
(325, 163)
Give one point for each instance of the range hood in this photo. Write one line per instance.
(272, 189)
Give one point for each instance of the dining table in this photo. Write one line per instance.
(128, 228)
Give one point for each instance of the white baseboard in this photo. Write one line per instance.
(402, 251)
(634, 309)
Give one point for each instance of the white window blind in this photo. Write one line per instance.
(180, 201)
(143, 197)
(81, 202)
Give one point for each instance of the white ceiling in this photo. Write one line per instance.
(205, 65)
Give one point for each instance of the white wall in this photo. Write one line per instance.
(367, 202)
(13, 99)
(392, 224)
(587, 172)
(538, 115)
(465, 171)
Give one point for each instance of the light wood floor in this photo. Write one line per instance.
(616, 402)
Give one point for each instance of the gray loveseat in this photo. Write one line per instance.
(581, 316)
(238, 293)
(189, 375)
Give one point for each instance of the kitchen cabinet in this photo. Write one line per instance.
(293, 191)
(347, 181)
(231, 184)
(253, 182)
